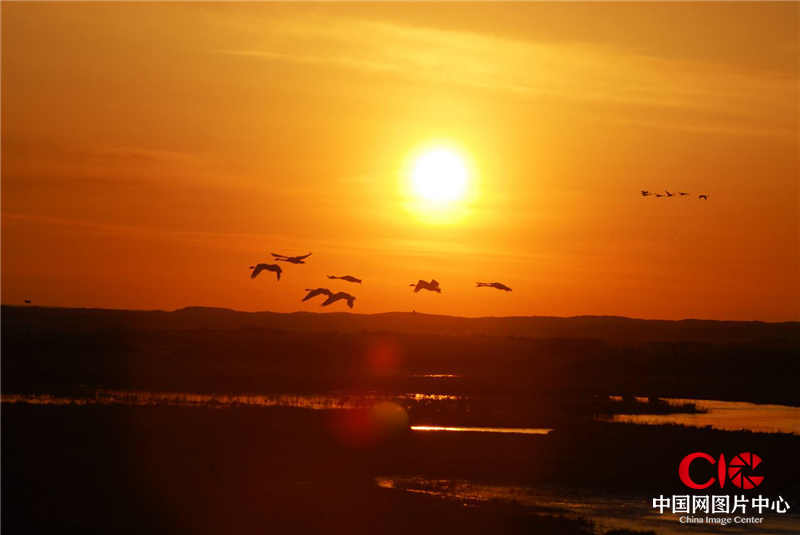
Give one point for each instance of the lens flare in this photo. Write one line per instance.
(365, 428)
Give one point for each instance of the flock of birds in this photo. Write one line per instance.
(667, 194)
(431, 286)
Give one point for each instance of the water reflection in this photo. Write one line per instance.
(724, 415)
(514, 430)
(607, 512)
(137, 398)
(431, 397)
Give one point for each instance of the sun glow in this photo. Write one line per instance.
(440, 176)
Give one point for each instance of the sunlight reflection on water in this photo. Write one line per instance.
(513, 430)
(607, 512)
(724, 415)
(135, 398)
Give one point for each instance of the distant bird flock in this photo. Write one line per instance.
(431, 286)
(667, 194)
(331, 297)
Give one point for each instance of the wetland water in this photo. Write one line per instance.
(607, 512)
(723, 415)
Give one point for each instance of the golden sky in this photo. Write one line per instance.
(151, 153)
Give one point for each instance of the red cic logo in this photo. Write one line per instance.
(740, 471)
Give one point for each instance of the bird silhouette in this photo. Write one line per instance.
(291, 259)
(703, 196)
(258, 268)
(669, 194)
(315, 292)
(432, 286)
(348, 278)
(498, 285)
(337, 296)
(659, 195)
(646, 193)
(682, 193)
(27, 301)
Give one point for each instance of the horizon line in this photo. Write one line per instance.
(532, 316)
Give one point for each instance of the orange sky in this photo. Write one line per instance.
(151, 153)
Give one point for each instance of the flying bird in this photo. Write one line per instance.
(682, 193)
(291, 259)
(315, 292)
(339, 295)
(646, 193)
(703, 196)
(659, 195)
(432, 286)
(498, 285)
(258, 268)
(669, 194)
(348, 278)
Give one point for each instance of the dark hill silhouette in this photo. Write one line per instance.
(607, 328)
(219, 350)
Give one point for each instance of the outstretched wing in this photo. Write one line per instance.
(279, 256)
(301, 257)
(316, 292)
(331, 298)
(256, 270)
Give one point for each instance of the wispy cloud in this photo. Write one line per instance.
(561, 70)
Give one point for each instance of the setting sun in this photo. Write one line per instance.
(439, 175)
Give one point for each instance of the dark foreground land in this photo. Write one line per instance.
(277, 470)
(168, 469)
